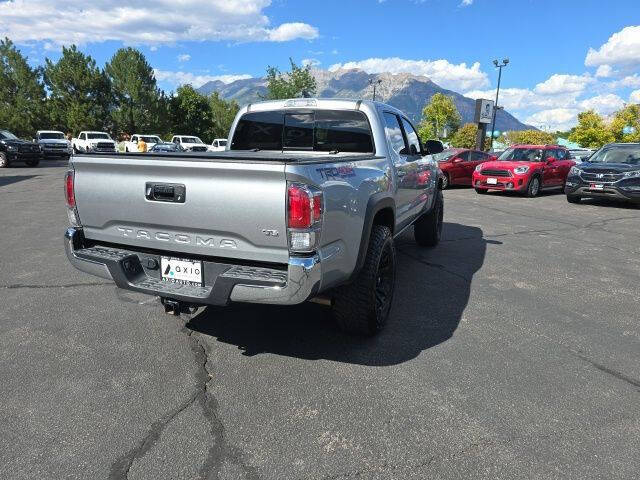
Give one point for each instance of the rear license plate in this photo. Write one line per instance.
(178, 270)
(596, 186)
(492, 181)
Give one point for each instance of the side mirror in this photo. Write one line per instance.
(431, 147)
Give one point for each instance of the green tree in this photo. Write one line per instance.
(465, 137)
(591, 131)
(296, 83)
(222, 114)
(79, 93)
(529, 137)
(440, 118)
(190, 113)
(137, 98)
(629, 116)
(21, 92)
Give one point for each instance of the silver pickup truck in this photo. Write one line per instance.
(304, 204)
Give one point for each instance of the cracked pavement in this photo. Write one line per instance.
(513, 351)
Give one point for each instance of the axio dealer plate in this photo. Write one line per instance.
(177, 270)
(492, 181)
(596, 186)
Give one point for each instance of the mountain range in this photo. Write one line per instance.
(404, 91)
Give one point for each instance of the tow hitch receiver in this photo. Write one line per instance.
(174, 307)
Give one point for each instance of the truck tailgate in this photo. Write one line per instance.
(230, 209)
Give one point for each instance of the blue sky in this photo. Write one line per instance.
(566, 55)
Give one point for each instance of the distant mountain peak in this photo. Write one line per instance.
(405, 91)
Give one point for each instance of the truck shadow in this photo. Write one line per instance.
(9, 179)
(432, 291)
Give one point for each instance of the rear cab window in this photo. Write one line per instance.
(305, 130)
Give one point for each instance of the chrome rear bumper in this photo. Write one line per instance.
(223, 282)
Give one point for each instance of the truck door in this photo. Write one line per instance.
(398, 150)
(420, 173)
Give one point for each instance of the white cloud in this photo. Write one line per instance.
(142, 21)
(603, 104)
(630, 81)
(184, 57)
(446, 74)
(291, 31)
(466, 3)
(153, 48)
(561, 83)
(622, 48)
(525, 99)
(604, 71)
(312, 62)
(554, 119)
(634, 97)
(181, 78)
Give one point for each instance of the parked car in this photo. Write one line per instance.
(528, 169)
(13, 150)
(53, 143)
(166, 147)
(190, 143)
(218, 145)
(458, 164)
(136, 140)
(611, 172)
(95, 142)
(305, 203)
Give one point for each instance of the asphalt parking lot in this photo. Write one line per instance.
(513, 351)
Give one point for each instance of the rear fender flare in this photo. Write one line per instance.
(376, 203)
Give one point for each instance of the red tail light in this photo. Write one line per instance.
(68, 189)
(304, 207)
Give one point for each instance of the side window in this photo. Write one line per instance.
(412, 137)
(551, 153)
(82, 135)
(394, 133)
(478, 156)
(561, 154)
(465, 156)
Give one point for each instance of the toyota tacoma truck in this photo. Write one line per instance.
(303, 205)
(96, 142)
(190, 143)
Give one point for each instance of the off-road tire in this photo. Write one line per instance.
(481, 191)
(534, 187)
(362, 307)
(4, 162)
(428, 228)
(32, 163)
(573, 198)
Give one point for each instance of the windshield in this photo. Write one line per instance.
(522, 155)
(629, 154)
(222, 143)
(165, 147)
(191, 140)
(51, 136)
(445, 155)
(102, 136)
(5, 135)
(316, 131)
(150, 139)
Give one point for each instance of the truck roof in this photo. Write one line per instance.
(325, 103)
(49, 131)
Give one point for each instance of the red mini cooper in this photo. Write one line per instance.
(527, 169)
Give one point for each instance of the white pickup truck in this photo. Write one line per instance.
(98, 142)
(132, 144)
(218, 145)
(190, 143)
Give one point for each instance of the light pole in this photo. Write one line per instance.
(374, 83)
(499, 66)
